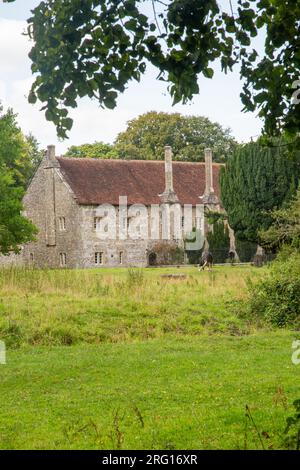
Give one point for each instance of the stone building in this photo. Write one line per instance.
(83, 223)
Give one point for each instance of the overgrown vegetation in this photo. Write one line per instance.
(292, 429)
(285, 227)
(276, 297)
(44, 307)
(168, 253)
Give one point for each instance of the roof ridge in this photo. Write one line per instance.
(88, 159)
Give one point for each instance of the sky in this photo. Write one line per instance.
(218, 100)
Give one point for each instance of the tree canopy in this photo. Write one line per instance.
(18, 157)
(35, 154)
(147, 135)
(14, 228)
(255, 181)
(285, 227)
(95, 47)
(95, 150)
(18, 153)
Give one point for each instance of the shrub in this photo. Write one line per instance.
(168, 253)
(285, 229)
(292, 430)
(276, 297)
(12, 335)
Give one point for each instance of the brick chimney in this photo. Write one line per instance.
(169, 195)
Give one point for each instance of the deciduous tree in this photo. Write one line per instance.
(285, 227)
(16, 168)
(95, 47)
(34, 152)
(147, 135)
(14, 228)
(95, 150)
(18, 153)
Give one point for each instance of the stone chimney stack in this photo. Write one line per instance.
(51, 159)
(209, 185)
(169, 169)
(169, 194)
(51, 151)
(49, 204)
(209, 197)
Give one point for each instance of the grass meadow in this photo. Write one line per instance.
(130, 359)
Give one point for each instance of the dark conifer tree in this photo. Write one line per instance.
(256, 180)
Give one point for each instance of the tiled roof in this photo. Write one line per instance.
(98, 181)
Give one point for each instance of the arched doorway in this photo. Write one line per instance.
(152, 259)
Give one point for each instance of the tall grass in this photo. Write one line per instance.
(65, 307)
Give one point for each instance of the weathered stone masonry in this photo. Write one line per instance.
(64, 194)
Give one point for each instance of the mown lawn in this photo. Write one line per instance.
(180, 393)
(140, 362)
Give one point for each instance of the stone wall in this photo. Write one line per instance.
(48, 199)
(115, 252)
(11, 260)
(79, 241)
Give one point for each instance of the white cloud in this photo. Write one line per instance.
(14, 48)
